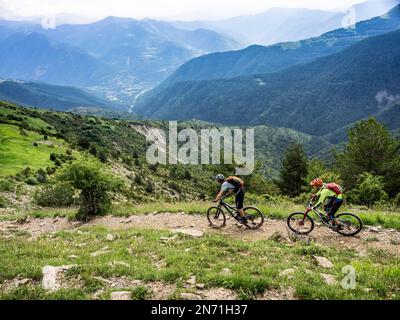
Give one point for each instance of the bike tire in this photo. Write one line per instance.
(257, 213)
(212, 217)
(291, 220)
(357, 218)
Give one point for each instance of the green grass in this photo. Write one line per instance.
(255, 266)
(33, 122)
(18, 152)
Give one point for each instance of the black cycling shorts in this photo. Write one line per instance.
(239, 198)
(333, 206)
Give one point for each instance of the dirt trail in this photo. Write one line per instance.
(388, 240)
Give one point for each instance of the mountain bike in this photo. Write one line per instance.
(217, 219)
(302, 223)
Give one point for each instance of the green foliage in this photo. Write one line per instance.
(369, 190)
(41, 176)
(6, 185)
(94, 185)
(370, 149)
(32, 181)
(174, 186)
(102, 155)
(258, 184)
(317, 169)
(60, 194)
(397, 200)
(294, 170)
(140, 293)
(138, 179)
(3, 202)
(149, 187)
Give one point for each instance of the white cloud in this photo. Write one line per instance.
(173, 9)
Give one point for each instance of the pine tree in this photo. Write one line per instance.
(294, 170)
(370, 149)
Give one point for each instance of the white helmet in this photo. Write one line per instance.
(219, 177)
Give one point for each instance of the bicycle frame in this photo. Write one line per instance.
(231, 209)
(320, 214)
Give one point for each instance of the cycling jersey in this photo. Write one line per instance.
(239, 198)
(226, 186)
(324, 194)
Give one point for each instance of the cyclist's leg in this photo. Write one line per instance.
(328, 207)
(335, 207)
(239, 200)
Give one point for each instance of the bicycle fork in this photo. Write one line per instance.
(305, 216)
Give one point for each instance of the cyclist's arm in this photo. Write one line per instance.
(223, 193)
(322, 196)
(219, 196)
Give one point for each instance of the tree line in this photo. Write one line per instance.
(368, 168)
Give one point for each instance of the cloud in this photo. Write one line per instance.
(184, 9)
(386, 99)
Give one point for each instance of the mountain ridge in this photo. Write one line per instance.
(43, 95)
(346, 82)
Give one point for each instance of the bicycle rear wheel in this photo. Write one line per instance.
(216, 217)
(351, 224)
(300, 225)
(254, 217)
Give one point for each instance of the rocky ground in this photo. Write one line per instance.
(195, 226)
(370, 237)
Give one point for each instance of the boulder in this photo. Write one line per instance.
(191, 281)
(189, 232)
(287, 272)
(110, 237)
(121, 295)
(375, 229)
(52, 276)
(190, 296)
(100, 252)
(119, 263)
(329, 279)
(323, 262)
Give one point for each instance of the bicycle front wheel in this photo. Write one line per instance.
(300, 225)
(350, 224)
(254, 217)
(216, 217)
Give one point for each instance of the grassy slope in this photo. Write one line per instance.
(255, 266)
(18, 152)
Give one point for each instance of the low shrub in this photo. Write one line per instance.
(6, 186)
(55, 195)
(95, 188)
(3, 202)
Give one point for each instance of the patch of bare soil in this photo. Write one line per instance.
(369, 238)
(277, 294)
(217, 294)
(37, 227)
(11, 284)
(158, 290)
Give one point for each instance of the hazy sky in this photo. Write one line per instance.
(171, 9)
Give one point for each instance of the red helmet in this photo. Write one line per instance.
(317, 182)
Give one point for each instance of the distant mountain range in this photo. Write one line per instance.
(262, 59)
(121, 59)
(32, 56)
(315, 98)
(290, 24)
(115, 57)
(52, 97)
